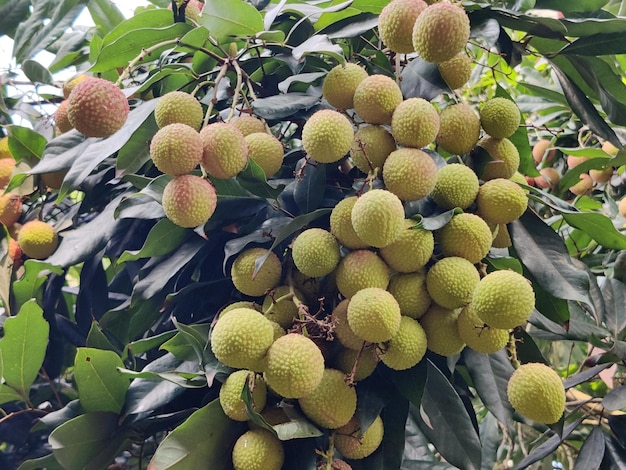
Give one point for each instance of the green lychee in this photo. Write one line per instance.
(376, 98)
(500, 117)
(441, 32)
(442, 334)
(332, 403)
(457, 186)
(411, 250)
(465, 235)
(189, 200)
(230, 394)
(451, 282)
(225, 152)
(537, 392)
(327, 136)
(395, 24)
(415, 123)
(378, 217)
(409, 173)
(356, 443)
(411, 293)
(406, 348)
(340, 83)
(341, 224)
(371, 147)
(315, 252)
(178, 107)
(266, 151)
(459, 129)
(251, 275)
(258, 449)
(176, 149)
(360, 269)
(374, 315)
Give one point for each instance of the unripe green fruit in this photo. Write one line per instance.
(341, 224)
(279, 305)
(360, 269)
(395, 24)
(477, 335)
(368, 360)
(10, 209)
(327, 136)
(503, 299)
(342, 331)
(536, 392)
(37, 239)
(456, 72)
(266, 151)
(374, 315)
(225, 151)
(504, 158)
(249, 125)
(442, 334)
(176, 149)
(189, 200)
(332, 403)
(378, 217)
(411, 250)
(355, 443)
(371, 147)
(441, 32)
(411, 293)
(294, 366)
(267, 276)
(241, 338)
(340, 83)
(500, 117)
(501, 201)
(465, 235)
(258, 449)
(230, 394)
(415, 123)
(457, 186)
(240, 304)
(451, 281)
(178, 107)
(97, 108)
(459, 129)
(376, 98)
(502, 238)
(315, 252)
(410, 174)
(406, 348)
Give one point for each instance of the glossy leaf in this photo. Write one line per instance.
(25, 143)
(548, 446)
(421, 79)
(226, 18)
(309, 188)
(615, 399)
(592, 452)
(162, 239)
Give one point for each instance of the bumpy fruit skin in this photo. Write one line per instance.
(368, 361)
(15, 253)
(441, 32)
(178, 107)
(503, 299)
(341, 224)
(457, 186)
(415, 123)
(371, 147)
(241, 338)
(294, 366)
(376, 98)
(501, 201)
(6, 170)
(502, 238)
(374, 315)
(332, 403)
(456, 72)
(406, 348)
(69, 85)
(451, 281)
(411, 293)
(360, 269)
(459, 129)
(477, 335)
(378, 217)
(279, 305)
(4, 148)
(340, 83)
(442, 334)
(500, 117)
(97, 108)
(536, 392)
(465, 235)
(266, 151)
(327, 136)
(395, 24)
(10, 209)
(410, 174)
(352, 443)
(267, 277)
(61, 119)
(258, 449)
(342, 331)
(504, 158)
(37, 239)
(249, 125)
(315, 252)
(230, 394)
(189, 200)
(225, 150)
(411, 250)
(176, 149)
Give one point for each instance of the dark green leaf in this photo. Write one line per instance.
(597, 45)
(25, 143)
(253, 179)
(282, 106)
(615, 399)
(36, 72)
(12, 14)
(105, 15)
(614, 294)
(585, 375)
(309, 186)
(48, 462)
(163, 238)
(226, 18)
(592, 452)
(421, 79)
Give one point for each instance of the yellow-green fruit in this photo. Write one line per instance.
(341, 224)
(307, 285)
(456, 72)
(266, 151)
(97, 108)
(368, 360)
(225, 151)
(61, 119)
(360, 269)
(332, 403)
(442, 333)
(279, 305)
(410, 174)
(465, 235)
(502, 238)
(258, 449)
(342, 330)
(4, 148)
(189, 200)
(240, 304)
(406, 348)
(176, 149)
(241, 338)
(395, 24)
(10, 209)
(459, 129)
(536, 392)
(230, 394)
(441, 32)
(371, 147)
(178, 107)
(355, 443)
(376, 98)
(415, 123)
(378, 217)
(374, 315)
(252, 283)
(411, 293)
(54, 179)
(6, 171)
(451, 281)
(521, 179)
(37, 239)
(327, 136)
(411, 250)
(69, 85)
(501, 201)
(477, 335)
(249, 125)
(504, 158)
(315, 252)
(456, 186)
(294, 366)
(500, 117)
(340, 83)
(278, 331)
(503, 299)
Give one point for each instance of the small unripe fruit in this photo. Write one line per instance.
(374, 315)
(451, 281)
(327, 136)
(411, 293)
(549, 178)
(601, 176)
(341, 224)
(502, 237)
(360, 269)
(342, 330)
(501, 201)
(250, 281)
(315, 252)
(378, 217)
(536, 392)
(37, 239)
(249, 125)
(621, 207)
(230, 394)
(410, 174)
(178, 107)
(441, 32)
(395, 24)
(176, 149)
(415, 123)
(340, 83)
(456, 186)
(456, 72)
(6, 171)
(500, 117)
(368, 360)
(376, 98)
(258, 449)
(477, 335)
(355, 443)
(4, 148)
(504, 160)
(189, 200)
(371, 147)
(459, 129)
(539, 150)
(406, 348)
(467, 236)
(279, 305)
(442, 334)
(266, 151)
(411, 250)
(332, 403)
(584, 186)
(573, 162)
(225, 152)
(61, 119)
(10, 209)
(609, 148)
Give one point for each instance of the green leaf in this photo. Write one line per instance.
(285, 105)
(97, 339)
(105, 15)
(163, 238)
(7, 394)
(227, 18)
(25, 143)
(309, 186)
(592, 451)
(36, 72)
(31, 283)
(23, 347)
(599, 227)
(615, 399)
(136, 152)
(100, 386)
(12, 14)
(253, 179)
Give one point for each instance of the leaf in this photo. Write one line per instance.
(164, 237)
(421, 79)
(105, 15)
(615, 399)
(253, 179)
(614, 294)
(597, 45)
(592, 452)
(226, 18)
(48, 462)
(599, 227)
(100, 386)
(309, 186)
(585, 375)
(36, 72)
(23, 347)
(7, 394)
(25, 143)
(30, 285)
(283, 106)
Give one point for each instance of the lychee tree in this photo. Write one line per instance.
(264, 265)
